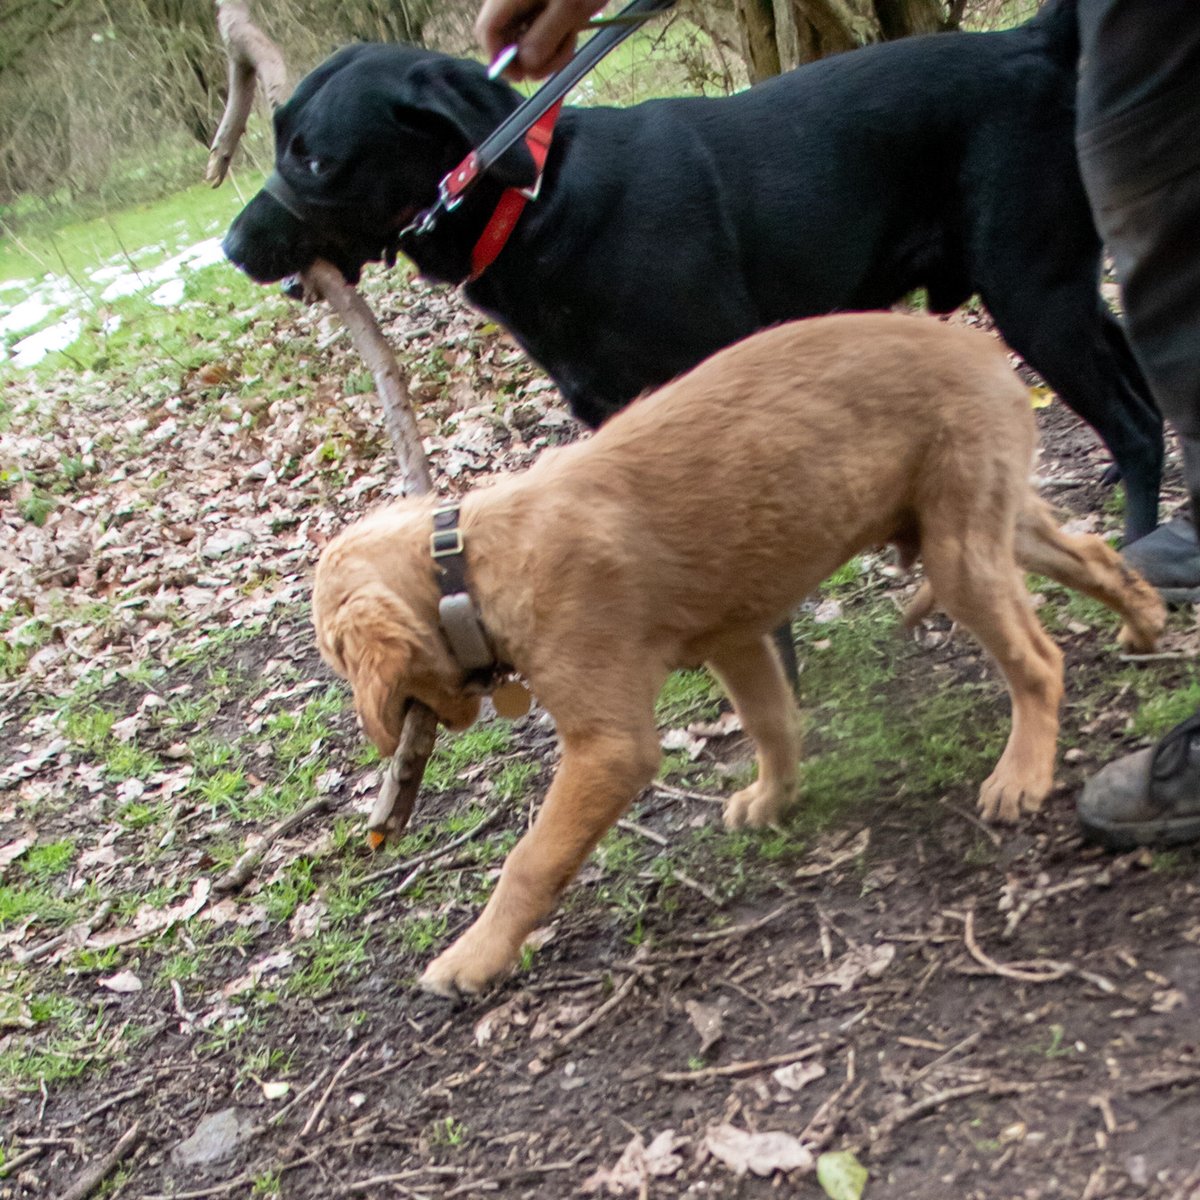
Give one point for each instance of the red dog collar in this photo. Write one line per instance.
(512, 203)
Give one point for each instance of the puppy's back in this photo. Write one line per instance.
(826, 436)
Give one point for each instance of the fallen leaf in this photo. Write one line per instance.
(797, 1075)
(726, 724)
(709, 1022)
(762, 1153)
(858, 963)
(841, 1175)
(496, 1023)
(122, 981)
(638, 1164)
(14, 850)
(274, 1089)
(680, 739)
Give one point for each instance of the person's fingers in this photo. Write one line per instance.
(502, 22)
(549, 42)
(555, 62)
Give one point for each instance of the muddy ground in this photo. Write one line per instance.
(971, 1012)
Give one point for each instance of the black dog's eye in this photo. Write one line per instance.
(316, 166)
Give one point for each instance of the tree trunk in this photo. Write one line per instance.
(756, 23)
(781, 34)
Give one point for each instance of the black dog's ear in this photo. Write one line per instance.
(460, 93)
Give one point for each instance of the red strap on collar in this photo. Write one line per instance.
(512, 203)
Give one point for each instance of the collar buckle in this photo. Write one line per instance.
(445, 542)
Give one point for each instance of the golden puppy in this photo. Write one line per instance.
(683, 532)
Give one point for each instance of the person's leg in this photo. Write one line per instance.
(1138, 112)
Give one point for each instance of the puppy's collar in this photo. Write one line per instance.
(460, 622)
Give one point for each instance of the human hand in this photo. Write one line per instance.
(544, 32)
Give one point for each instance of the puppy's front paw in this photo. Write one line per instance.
(466, 968)
(757, 806)
(1005, 796)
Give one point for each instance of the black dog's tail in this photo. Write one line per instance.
(1058, 23)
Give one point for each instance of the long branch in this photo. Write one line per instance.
(252, 55)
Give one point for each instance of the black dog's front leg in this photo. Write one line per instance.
(786, 647)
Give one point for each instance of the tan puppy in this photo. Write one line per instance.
(684, 531)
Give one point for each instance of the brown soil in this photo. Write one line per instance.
(1033, 1033)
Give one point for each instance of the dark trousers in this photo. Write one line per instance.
(1138, 138)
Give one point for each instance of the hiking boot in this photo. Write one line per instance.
(1169, 558)
(1151, 798)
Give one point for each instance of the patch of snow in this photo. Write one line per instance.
(30, 311)
(30, 351)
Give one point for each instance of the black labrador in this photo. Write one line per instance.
(667, 230)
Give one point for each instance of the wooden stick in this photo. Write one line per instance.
(239, 874)
(740, 1068)
(252, 55)
(90, 1178)
(1031, 972)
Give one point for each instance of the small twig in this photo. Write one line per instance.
(105, 1105)
(732, 931)
(319, 1107)
(276, 1118)
(92, 1177)
(995, 838)
(51, 944)
(882, 1133)
(1158, 656)
(696, 886)
(642, 831)
(598, 1015)
(1025, 972)
(1031, 896)
(395, 1178)
(239, 874)
(953, 1052)
(1153, 1083)
(428, 856)
(740, 1068)
(12, 1165)
(679, 793)
(476, 1187)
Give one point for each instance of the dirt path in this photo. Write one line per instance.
(971, 1013)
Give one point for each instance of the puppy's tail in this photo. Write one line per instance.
(1088, 564)
(1082, 562)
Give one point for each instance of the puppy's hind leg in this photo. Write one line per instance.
(1089, 565)
(751, 673)
(976, 579)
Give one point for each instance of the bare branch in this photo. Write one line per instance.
(252, 55)
(326, 281)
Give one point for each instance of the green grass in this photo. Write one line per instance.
(1164, 707)
(144, 233)
(688, 696)
(453, 755)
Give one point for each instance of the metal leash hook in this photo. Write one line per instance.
(611, 32)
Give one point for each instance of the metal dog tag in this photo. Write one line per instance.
(511, 699)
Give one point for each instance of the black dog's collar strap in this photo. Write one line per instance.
(457, 614)
(280, 190)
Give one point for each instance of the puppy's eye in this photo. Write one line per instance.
(316, 166)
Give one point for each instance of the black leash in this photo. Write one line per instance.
(514, 127)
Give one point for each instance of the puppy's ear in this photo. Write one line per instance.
(460, 93)
(376, 652)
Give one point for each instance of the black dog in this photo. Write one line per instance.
(668, 230)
